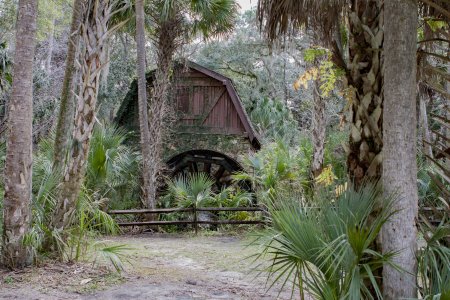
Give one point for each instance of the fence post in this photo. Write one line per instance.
(195, 218)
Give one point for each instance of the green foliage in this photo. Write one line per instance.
(193, 190)
(115, 255)
(232, 197)
(280, 169)
(212, 17)
(436, 24)
(8, 15)
(90, 220)
(429, 192)
(5, 63)
(434, 261)
(53, 17)
(273, 120)
(312, 54)
(5, 78)
(111, 172)
(327, 252)
(113, 166)
(329, 77)
(275, 170)
(323, 70)
(44, 193)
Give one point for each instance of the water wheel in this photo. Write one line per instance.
(219, 166)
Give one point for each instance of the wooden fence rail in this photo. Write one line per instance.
(193, 210)
(195, 222)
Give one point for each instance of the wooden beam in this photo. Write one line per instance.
(149, 211)
(207, 167)
(180, 209)
(210, 108)
(232, 222)
(219, 172)
(144, 223)
(218, 222)
(230, 209)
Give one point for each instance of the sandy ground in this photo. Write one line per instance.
(162, 267)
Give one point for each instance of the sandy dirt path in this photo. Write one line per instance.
(162, 267)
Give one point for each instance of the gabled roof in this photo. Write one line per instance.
(234, 98)
(123, 114)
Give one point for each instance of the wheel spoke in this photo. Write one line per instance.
(219, 173)
(207, 168)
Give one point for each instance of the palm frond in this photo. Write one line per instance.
(329, 248)
(191, 190)
(115, 255)
(283, 17)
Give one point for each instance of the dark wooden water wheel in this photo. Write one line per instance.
(217, 165)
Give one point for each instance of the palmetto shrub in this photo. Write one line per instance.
(434, 261)
(327, 252)
(193, 190)
(274, 170)
(111, 172)
(113, 167)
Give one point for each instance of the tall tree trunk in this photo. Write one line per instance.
(67, 105)
(399, 136)
(143, 106)
(364, 86)
(18, 167)
(94, 34)
(318, 131)
(159, 111)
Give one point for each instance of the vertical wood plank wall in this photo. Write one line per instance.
(204, 103)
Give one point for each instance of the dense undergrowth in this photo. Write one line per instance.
(322, 233)
(335, 260)
(110, 178)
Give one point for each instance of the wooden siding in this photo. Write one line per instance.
(205, 105)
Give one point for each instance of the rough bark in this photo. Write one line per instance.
(159, 109)
(94, 33)
(318, 131)
(67, 104)
(18, 167)
(364, 88)
(399, 136)
(143, 110)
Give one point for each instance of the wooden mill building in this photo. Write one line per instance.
(212, 131)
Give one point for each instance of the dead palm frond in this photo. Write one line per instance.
(279, 18)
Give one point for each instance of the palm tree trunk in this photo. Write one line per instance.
(18, 167)
(159, 109)
(148, 194)
(67, 105)
(318, 131)
(364, 87)
(399, 136)
(94, 33)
